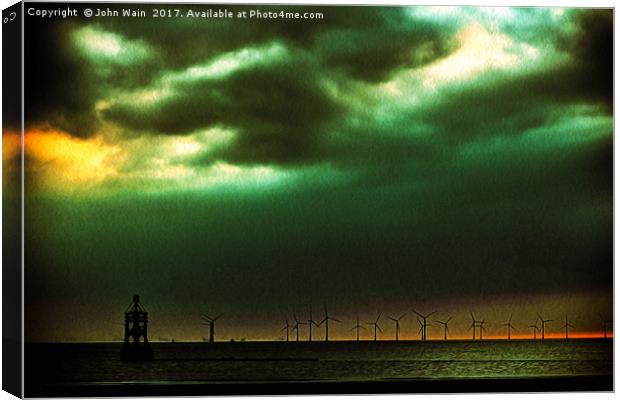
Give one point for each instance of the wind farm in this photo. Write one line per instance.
(300, 325)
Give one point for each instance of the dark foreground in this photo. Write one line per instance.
(276, 368)
(557, 384)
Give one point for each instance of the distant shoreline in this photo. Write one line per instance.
(594, 383)
(119, 342)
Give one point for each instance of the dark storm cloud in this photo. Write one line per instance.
(59, 90)
(593, 50)
(509, 104)
(278, 109)
(384, 41)
(62, 86)
(364, 43)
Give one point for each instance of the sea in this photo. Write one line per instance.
(203, 368)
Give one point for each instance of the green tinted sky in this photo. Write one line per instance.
(377, 159)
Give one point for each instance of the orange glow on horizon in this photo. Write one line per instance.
(550, 335)
(63, 159)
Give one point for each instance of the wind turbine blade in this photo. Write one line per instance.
(218, 317)
(402, 316)
(541, 318)
(378, 327)
(418, 313)
(335, 319)
(393, 319)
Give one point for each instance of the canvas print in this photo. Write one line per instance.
(290, 199)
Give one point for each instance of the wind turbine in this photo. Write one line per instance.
(310, 323)
(508, 325)
(296, 326)
(397, 322)
(606, 323)
(542, 329)
(357, 327)
(421, 331)
(211, 323)
(286, 327)
(482, 328)
(567, 325)
(424, 317)
(445, 327)
(535, 326)
(326, 322)
(473, 326)
(376, 324)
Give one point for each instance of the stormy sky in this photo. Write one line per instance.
(377, 159)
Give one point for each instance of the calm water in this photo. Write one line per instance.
(341, 361)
